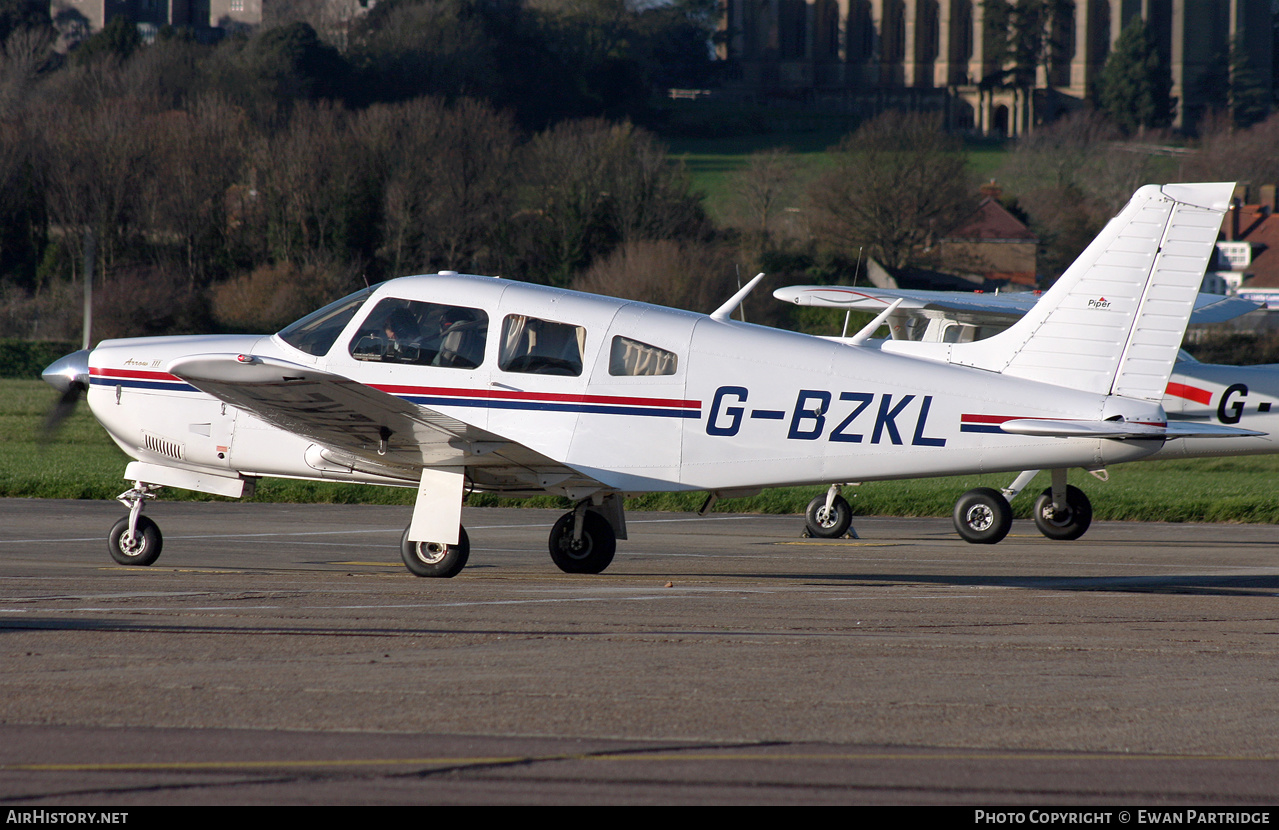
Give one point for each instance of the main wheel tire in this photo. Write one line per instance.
(434, 559)
(591, 553)
(143, 549)
(1068, 526)
(982, 516)
(828, 524)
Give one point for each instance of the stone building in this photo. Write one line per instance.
(77, 19)
(866, 55)
(92, 15)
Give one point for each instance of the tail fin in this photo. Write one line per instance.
(1114, 321)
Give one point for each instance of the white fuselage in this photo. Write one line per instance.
(743, 406)
(1236, 396)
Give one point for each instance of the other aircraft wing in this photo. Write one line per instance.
(977, 307)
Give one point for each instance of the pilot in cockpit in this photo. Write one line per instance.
(403, 337)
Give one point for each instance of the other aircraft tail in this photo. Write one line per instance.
(1113, 322)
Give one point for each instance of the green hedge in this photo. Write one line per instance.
(27, 358)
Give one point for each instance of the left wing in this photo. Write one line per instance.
(376, 428)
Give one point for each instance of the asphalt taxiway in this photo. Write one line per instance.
(282, 654)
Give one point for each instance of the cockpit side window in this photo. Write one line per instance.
(534, 346)
(422, 334)
(316, 333)
(631, 358)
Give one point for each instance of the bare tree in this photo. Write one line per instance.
(693, 275)
(764, 188)
(199, 155)
(897, 184)
(447, 178)
(96, 158)
(1227, 153)
(1070, 177)
(271, 296)
(22, 55)
(314, 188)
(593, 185)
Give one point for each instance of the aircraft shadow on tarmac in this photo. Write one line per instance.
(1205, 585)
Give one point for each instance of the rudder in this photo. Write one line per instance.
(1113, 322)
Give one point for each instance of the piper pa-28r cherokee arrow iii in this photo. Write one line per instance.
(452, 383)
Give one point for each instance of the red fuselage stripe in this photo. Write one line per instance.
(1190, 393)
(499, 394)
(447, 392)
(133, 374)
(988, 419)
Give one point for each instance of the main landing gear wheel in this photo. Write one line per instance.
(435, 559)
(142, 549)
(591, 553)
(982, 516)
(828, 524)
(1067, 524)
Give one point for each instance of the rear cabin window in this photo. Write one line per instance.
(422, 334)
(631, 358)
(534, 346)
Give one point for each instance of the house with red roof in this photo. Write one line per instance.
(1248, 251)
(991, 244)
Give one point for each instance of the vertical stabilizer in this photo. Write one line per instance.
(1113, 322)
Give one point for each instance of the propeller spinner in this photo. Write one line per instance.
(70, 376)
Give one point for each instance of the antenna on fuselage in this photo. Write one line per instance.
(723, 312)
(737, 269)
(856, 271)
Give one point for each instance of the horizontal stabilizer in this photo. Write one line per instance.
(1121, 429)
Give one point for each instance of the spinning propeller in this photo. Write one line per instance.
(70, 376)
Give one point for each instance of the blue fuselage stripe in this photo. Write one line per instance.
(994, 428)
(550, 406)
(538, 406)
(143, 384)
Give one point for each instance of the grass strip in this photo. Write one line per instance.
(81, 462)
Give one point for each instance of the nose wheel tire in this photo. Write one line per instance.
(591, 553)
(1067, 524)
(143, 549)
(828, 524)
(982, 516)
(435, 559)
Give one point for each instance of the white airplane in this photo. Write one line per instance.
(1195, 392)
(452, 383)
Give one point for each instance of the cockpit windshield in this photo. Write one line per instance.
(316, 332)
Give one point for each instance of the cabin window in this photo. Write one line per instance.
(541, 347)
(317, 332)
(422, 334)
(631, 358)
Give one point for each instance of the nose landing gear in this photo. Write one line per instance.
(136, 539)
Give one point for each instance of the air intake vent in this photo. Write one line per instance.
(163, 446)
